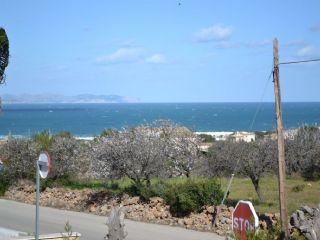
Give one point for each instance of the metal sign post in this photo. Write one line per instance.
(43, 169)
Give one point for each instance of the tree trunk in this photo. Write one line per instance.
(256, 185)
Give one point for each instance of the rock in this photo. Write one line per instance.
(307, 209)
(156, 200)
(307, 221)
(188, 221)
(210, 209)
(131, 201)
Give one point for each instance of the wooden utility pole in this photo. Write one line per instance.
(281, 160)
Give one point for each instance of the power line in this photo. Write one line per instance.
(302, 61)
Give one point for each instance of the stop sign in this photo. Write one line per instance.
(244, 220)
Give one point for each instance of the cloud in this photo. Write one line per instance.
(226, 45)
(214, 33)
(257, 44)
(308, 51)
(122, 55)
(315, 28)
(156, 59)
(295, 43)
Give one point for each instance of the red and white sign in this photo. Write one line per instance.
(244, 220)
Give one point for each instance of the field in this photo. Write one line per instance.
(299, 192)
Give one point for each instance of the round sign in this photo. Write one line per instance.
(244, 220)
(44, 164)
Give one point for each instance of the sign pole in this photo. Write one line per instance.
(43, 169)
(281, 150)
(37, 203)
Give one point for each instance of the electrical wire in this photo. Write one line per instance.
(302, 61)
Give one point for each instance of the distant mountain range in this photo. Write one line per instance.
(57, 98)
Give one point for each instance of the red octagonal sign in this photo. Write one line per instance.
(244, 220)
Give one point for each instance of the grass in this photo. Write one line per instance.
(299, 192)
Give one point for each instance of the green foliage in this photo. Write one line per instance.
(44, 140)
(298, 188)
(108, 132)
(206, 138)
(4, 53)
(192, 195)
(67, 235)
(64, 134)
(4, 182)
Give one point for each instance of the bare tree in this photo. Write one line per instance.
(137, 153)
(69, 157)
(254, 160)
(19, 157)
(303, 152)
(181, 147)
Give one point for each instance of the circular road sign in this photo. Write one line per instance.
(44, 163)
(244, 220)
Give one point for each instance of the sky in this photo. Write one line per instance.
(162, 50)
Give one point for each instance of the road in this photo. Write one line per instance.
(20, 217)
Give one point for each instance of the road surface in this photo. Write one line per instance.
(20, 217)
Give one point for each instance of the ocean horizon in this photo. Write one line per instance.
(90, 119)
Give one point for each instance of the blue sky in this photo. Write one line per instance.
(162, 51)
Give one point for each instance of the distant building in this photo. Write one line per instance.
(243, 136)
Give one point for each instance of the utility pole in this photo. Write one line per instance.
(281, 160)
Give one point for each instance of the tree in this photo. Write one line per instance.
(137, 153)
(303, 152)
(254, 160)
(183, 150)
(69, 157)
(19, 157)
(4, 53)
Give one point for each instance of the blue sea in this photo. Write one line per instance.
(85, 120)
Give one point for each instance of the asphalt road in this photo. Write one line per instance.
(20, 217)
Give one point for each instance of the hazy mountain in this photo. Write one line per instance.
(57, 98)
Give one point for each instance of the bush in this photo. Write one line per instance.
(4, 183)
(192, 195)
(298, 188)
(206, 138)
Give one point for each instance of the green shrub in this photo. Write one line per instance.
(298, 188)
(206, 138)
(4, 183)
(192, 195)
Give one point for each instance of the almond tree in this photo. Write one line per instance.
(303, 152)
(137, 153)
(253, 160)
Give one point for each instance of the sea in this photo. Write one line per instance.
(88, 120)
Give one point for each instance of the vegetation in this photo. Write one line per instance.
(206, 138)
(4, 53)
(242, 188)
(192, 195)
(158, 159)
